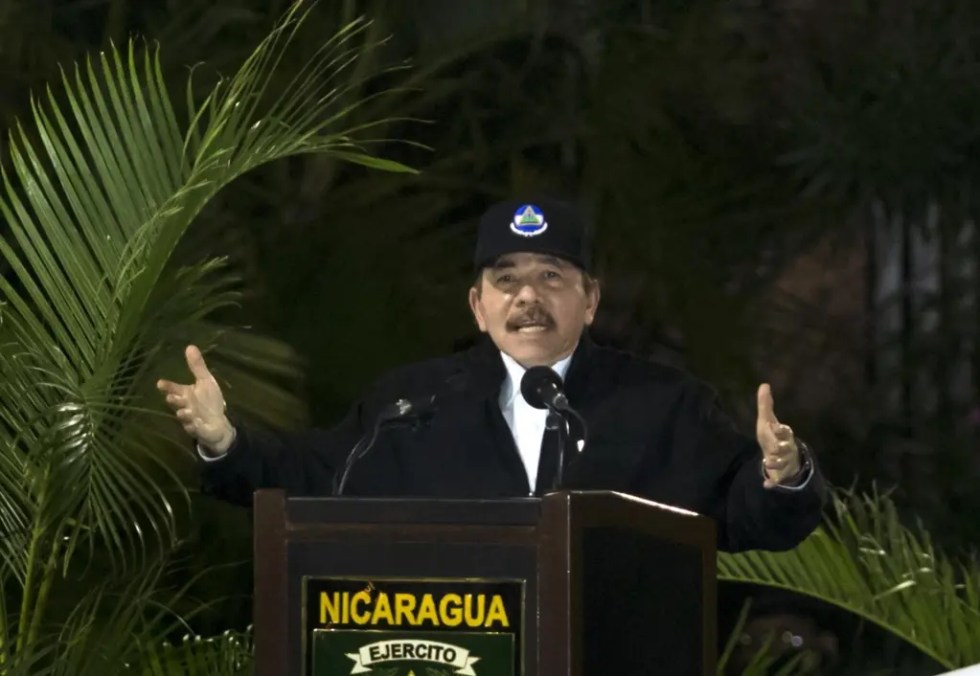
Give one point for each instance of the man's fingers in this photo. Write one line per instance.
(168, 387)
(782, 432)
(177, 401)
(775, 462)
(765, 403)
(780, 449)
(195, 362)
(185, 415)
(777, 469)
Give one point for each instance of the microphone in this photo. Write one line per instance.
(415, 409)
(402, 409)
(543, 388)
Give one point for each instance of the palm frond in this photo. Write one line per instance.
(95, 222)
(867, 562)
(118, 622)
(100, 190)
(229, 654)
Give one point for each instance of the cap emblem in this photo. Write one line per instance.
(528, 221)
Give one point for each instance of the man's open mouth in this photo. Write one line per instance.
(536, 323)
(532, 328)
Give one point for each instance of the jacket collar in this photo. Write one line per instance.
(487, 372)
(515, 374)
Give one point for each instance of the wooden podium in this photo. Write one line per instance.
(576, 583)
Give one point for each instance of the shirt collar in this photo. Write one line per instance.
(512, 384)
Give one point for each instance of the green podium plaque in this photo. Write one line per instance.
(413, 627)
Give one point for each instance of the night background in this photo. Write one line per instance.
(782, 192)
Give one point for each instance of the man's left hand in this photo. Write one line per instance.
(780, 453)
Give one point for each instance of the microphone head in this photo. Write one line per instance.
(408, 408)
(540, 385)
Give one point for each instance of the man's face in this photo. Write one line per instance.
(534, 307)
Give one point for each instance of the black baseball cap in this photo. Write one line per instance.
(535, 225)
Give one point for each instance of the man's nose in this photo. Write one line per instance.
(526, 293)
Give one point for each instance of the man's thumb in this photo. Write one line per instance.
(195, 362)
(765, 402)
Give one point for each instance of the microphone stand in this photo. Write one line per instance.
(360, 449)
(559, 423)
(558, 420)
(399, 412)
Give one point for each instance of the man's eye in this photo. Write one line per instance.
(505, 279)
(552, 275)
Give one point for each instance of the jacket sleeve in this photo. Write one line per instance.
(302, 462)
(748, 515)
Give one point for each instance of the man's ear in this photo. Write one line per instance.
(593, 295)
(476, 307)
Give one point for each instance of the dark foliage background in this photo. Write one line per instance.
(781, 191)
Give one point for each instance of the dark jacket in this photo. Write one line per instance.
(654, 432)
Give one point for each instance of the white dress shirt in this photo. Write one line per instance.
(526, 422)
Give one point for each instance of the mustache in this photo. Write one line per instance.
(533, 316)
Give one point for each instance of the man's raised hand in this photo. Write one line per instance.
(780, 453)
(200, 406)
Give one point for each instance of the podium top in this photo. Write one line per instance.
(510, 512)
(588, 506)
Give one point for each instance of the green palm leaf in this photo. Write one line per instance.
(99, 192)
(868, 563)
(227, 655)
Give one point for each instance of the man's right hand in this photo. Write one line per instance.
(200, 407)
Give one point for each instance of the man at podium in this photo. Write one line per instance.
(462, 427)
